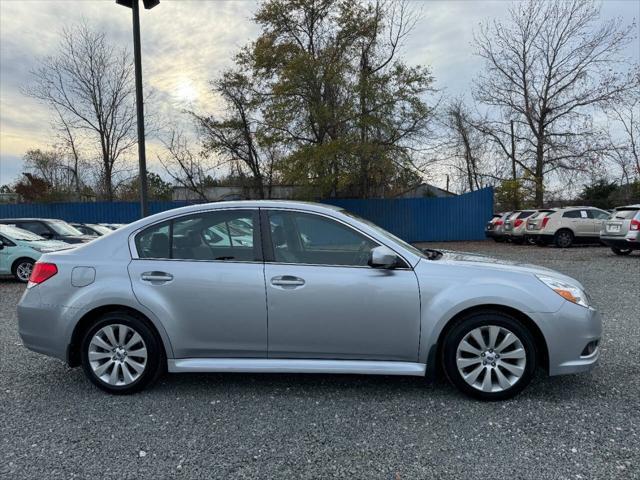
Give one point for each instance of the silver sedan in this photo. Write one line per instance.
(268, 286)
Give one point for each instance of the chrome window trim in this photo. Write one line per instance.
(134, 253)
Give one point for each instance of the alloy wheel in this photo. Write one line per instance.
(117, 355)
(491, 358)
(564, 239)
(23, 271)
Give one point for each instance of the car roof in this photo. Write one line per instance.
(30, 220)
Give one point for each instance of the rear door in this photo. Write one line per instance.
(203, 276)
(579, 222)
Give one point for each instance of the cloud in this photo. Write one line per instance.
(188, 43)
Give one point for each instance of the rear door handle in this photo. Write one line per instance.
(287, 281)
(156, 277)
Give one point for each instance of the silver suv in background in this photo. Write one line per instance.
(515, 225)
(621, 231)
(564, 226)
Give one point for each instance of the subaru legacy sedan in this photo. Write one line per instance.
(268, 286)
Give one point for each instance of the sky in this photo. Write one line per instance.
(186, 43)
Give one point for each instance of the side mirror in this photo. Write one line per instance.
(383, 257)
(1, 245)
(47, 235)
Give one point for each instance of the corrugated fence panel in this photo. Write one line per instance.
(87, 212)
(413, 219)
(428, 219)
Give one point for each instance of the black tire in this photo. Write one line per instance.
(540, 243)
(563, 238)
(18, 267)
(621, 251)
(488, 318)
(498, 239)
(156, 359)
(517, 240)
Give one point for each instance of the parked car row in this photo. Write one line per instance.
(24, 240)
(563, 227)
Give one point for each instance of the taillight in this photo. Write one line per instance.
(518, 222)
(42, 272)
(499, 222)
(545, 220)
(635, 225)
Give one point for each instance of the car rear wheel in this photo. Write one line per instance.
(120, 354)
(489, 356)
(621, 251)
(22, 269)
(563, 238)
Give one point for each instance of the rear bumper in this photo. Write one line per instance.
(620, 242)
(567, 333)
(42, 328)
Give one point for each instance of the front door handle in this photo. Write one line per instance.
(287, 281)
(156, 277)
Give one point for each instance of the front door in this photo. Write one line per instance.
(325, 302)
(203, 276)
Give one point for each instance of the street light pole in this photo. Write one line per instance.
(137, 56)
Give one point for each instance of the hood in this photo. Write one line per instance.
(496, 264)
(52, 245)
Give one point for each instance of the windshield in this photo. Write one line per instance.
(390, 236)
(63, 228)
(101, 229)
(19, 234)
(624, 214)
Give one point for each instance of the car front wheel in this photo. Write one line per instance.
(489, 356)
(22, 269)
(120, 354)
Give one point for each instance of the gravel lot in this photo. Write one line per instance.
(55, 424)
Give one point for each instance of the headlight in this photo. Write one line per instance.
(568, 291)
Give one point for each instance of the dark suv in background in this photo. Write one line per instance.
(49, 229)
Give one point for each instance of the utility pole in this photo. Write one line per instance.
(137, 56)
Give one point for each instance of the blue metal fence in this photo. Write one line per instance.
(413, 219)
(428, 219)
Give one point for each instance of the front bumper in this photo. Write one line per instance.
(567, 333)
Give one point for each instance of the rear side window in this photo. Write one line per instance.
(525, 214)
(572, 214)
(222, 235)
(154, 241)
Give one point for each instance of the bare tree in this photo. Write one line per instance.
(624, 135)
(547, 69)
(235, 138)
(186, 169)
(89, 84)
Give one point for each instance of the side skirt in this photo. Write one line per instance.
(272, 365)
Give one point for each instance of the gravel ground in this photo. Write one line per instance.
(55, 424)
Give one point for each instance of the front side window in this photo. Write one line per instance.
(34, 227)
(598, 214)
(218, 235)
(316, 240)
